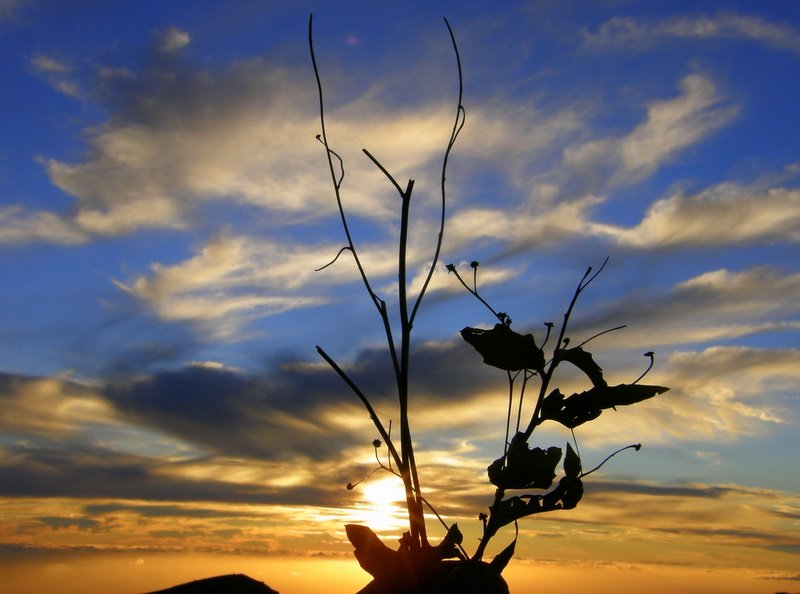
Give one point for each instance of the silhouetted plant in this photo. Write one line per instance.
(417, 566)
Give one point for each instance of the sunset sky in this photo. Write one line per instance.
(164, 415)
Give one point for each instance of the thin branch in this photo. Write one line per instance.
(451, 268)
(372, 414)
(458, 124)
(614, 329)
(525, 379)
(508, 414)
(635, 446)
(652, 357)
(584, 282)
(338, 182)
(345, 248)
(384, 170)
(377, 301)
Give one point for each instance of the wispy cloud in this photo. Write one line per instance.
(628, 31)
(717, 305)
(43, 63)
(724, 214)
(717, 396)
(57, 73)
(671, 125)
(19, 227)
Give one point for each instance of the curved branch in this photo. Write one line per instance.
(377, 301)
(458, 124)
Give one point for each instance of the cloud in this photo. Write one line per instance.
(551, 216)
(104, 475)
(172, 40)
(230, 281)
(57, 73)
(528, 225)
(716, 305)
(723, 214)
(671, 126)
(49, 407)
(180, 136)
(43, 63)
(20, 227)
(627, 31)
(717, 395)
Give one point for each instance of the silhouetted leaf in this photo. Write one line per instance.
(500, 561)
(524, 468)
(572, 463)
(513, 508)
(552, 404)
(448, 548)
(584, 361)
(503, 348)
(572, 491)
(585, 406)
(373, 556)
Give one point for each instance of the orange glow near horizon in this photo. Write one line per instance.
(134, 573)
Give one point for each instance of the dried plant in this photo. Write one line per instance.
(417, 566)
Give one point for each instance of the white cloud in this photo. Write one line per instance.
(671, 126)
(717, 305)
(245, 135)
(721, 215)
(173, 40)
(724, 25)
(717, 395)
(528, 225)
(230, 281)
(19, 227)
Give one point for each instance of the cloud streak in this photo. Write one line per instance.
(641, 33)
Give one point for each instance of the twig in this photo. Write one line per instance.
(635, 446)
(458, 124)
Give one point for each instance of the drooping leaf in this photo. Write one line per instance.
(572, 463)
(503, 348)
(585, 406)
(372, 555)
(524, 468)
(584, 361)
(500, 561)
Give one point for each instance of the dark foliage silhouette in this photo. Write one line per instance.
(417, 566)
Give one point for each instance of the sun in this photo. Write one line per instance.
(381, 505)
(384, 492)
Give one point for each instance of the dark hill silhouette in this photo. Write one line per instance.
(235, 583)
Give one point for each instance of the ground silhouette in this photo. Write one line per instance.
(235, 583)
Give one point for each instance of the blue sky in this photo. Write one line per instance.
(164, 205)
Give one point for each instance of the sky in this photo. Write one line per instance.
(165, 206)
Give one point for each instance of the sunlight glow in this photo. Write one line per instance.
(379, 507)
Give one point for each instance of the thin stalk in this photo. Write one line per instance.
(377, 301)
(416, 513)
(546, 377)
(525, 379)
(508, 414)
(458, 124)
(372, 414)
